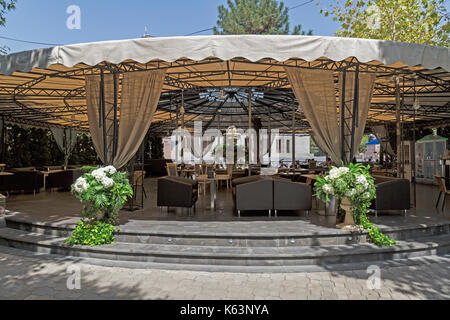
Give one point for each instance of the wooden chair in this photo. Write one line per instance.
(442, 190)
(201, 171)
(226, 177)
(139, 176)
(172, 169)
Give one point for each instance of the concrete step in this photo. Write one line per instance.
(166, 235)
(226, 256)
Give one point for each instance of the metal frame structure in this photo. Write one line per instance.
(33, 99)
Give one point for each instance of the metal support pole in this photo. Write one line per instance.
(397, 124)
(2, 139)
(115, 127)
(270, 140)
(249, 127)
(176, 136)
(413, 149)
(343, 157)
(355, 115)
(106, 159)
(293, 135)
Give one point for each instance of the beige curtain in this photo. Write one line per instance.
(315, 93)
(139, 99)
(66, 140)
(315, 90)
(93, 102)
(383, 137)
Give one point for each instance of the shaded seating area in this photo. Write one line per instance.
(329, 88)
(28, 181)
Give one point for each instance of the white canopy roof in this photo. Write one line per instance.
(46, 87)
(251, 47)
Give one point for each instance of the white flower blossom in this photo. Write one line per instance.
(80, 185)
(98, 174)
(366, 186)
(351, 192)
(107, 182)
(328, 188)
(361, 179)
(366, 195)
(110, 169)
(337, 172)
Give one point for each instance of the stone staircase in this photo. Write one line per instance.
(235, 251)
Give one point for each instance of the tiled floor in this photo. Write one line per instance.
(63, 208)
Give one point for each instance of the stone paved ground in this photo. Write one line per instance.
(23, 276)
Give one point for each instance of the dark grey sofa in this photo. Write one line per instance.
(391, 194)
(253, 193)
(177, 192)
(270, 193)
(288, 195)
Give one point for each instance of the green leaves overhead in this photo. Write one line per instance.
(255, 17)
(414, 21)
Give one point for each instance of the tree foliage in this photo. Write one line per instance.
(255, 17)
(35, 147)
(415, 21)
(5, 6)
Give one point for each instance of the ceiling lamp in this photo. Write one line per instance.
(416, 104)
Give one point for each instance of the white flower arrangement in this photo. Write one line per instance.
(80, 185)
(103, 190)
(100, 175)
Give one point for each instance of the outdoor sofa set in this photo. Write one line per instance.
(257, 193)
(32, 179)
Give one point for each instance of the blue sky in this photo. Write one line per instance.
(45, 20)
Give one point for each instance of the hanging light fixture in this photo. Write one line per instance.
(416, 104)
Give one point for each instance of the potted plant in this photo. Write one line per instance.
(353, 187)
(103, 191)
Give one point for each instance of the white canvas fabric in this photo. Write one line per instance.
(251, 47)
(139, 99)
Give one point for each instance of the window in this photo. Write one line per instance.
(288, 146)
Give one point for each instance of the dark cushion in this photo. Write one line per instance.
(288, 195)
(254, 195)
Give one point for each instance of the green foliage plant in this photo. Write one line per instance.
(92, 234)
(355, 183)
(414, 21)
(103, 191)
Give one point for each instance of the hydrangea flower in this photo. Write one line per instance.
(328, 188)
(361, 179)
(80, 185)
(351, 192)
(110, 169)
(98, 174)
(107, 182)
